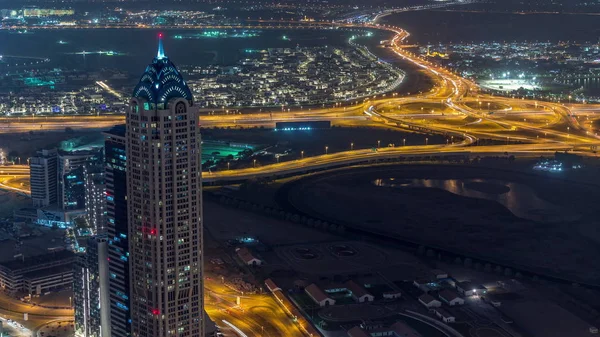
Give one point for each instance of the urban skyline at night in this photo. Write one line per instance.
(420, 168)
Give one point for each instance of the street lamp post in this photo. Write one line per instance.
(302, 154)
(352, 146)
(426, 141)
(404, 142)
(326, 149)
(378, 144)
(254, 162)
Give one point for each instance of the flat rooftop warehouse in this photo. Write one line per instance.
(42, 241)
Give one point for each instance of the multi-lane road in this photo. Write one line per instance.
(254, 314)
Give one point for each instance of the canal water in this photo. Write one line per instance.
(519, 199)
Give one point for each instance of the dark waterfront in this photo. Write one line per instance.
(464, 25)
(130, 47)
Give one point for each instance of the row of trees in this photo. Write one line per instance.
(468, 262)
(283, 215)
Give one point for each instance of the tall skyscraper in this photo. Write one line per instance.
(164, 204)
(115, 157)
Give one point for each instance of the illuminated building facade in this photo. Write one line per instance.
(90, 290)
(71, 179)
(164, 202)
(115, 158)
(43, 177)
(95, 198)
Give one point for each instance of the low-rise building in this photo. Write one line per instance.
(392, 294)
(450, 297)
(38, 274)
(398, 329)
(318, 295)
(247, 258)
(468, 288)
(445, 315)
(358, 292)
(429, 302)
(422, 284)
(439, 274)
(271, 285)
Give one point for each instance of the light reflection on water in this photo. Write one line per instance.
(518, 198)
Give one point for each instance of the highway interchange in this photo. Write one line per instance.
(455, 108)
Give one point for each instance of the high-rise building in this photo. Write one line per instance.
(43, 176)
(57, 177)
(115, 177)
(95, 198)
(90, 290)
(71, 178)
(164, 201)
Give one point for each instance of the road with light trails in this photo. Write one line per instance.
(14, 309)
(454, 92)
(257, 314)
(383, 155)
(449, 89)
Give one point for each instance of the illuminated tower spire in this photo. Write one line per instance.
(166, 290)
(161, 50)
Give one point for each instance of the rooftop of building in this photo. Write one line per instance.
(54, 270)
(34, 241)
(444, 313)
(426, 298)
(399, 329)
(30, 261)
(316, 293)
(357, 289)
(448, 295)
(246, 255)
(161, 81)
(117, 130)
(271, 285)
